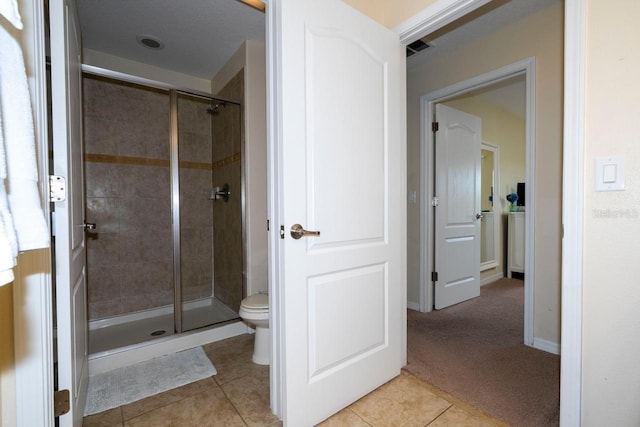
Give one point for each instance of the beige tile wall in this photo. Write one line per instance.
(227, 217)
(126, 137)
(128, 189)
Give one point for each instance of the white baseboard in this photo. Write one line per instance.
(492, 278)
(413, 306)
(125, 356)
(548, 346)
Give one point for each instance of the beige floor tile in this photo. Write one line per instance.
(209, 409)
(110, 418)
(170, 396)
(232, 358)
(404, 401)
(456, 417)
(250, 396)
(344, 418)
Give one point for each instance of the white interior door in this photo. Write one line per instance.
(71, 284)
(457, 233)
(341, 144)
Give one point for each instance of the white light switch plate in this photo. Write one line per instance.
(609, 174)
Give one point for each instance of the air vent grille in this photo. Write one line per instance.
(417, 46)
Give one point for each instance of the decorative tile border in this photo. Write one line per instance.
(142, 161)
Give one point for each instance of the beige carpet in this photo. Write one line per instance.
(475, 352)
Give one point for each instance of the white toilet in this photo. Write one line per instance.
(255, 311)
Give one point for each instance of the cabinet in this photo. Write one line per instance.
(516, 243)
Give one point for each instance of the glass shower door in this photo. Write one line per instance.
(205, 292)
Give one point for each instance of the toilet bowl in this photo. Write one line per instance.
(255, 311)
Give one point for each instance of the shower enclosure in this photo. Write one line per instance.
(163, 171)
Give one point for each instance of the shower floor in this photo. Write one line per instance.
(109, 334)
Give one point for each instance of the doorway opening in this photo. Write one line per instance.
(521, 70)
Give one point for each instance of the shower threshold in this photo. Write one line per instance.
(117, 332)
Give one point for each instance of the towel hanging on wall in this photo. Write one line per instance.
(22, 222)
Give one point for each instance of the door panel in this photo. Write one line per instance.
(457, 252)
(342, 98)
(70, 248)
(333, 203)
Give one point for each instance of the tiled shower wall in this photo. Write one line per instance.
(130, 256)
(128, 190)
(227, 217)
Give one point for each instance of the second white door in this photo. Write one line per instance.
(457, 216)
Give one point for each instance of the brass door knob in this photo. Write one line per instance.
(297, 231)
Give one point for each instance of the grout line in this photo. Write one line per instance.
(440, 414)
(461, 403)
(359, 416)
(234, 406)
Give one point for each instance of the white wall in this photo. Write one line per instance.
(611, 264)
(251, 57)
(541, 36)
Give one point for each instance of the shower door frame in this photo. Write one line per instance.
(174, 167)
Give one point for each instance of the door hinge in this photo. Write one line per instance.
(282, 231)
(60, 402)
(434, 127)
(57, 188)
(434, 276)
(434, 201)
(268, 225)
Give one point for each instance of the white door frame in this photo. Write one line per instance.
(572, 213)
(525, 67)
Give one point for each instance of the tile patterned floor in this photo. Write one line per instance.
(239, 396)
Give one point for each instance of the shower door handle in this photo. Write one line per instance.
(297, 232)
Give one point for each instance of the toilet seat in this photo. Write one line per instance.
(256, 303)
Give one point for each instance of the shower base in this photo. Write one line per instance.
(129, 329)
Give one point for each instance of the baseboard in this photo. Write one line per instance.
(548, 346)
(413, 306)
(492, 278)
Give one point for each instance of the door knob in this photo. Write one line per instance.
(89, 226)
(297, 232)
(479, 216)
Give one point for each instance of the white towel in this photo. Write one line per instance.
(21, 217)
(9, 9)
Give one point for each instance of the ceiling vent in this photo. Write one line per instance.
(150, 42)
(417, 46)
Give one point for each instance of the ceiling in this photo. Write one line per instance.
(200, 36)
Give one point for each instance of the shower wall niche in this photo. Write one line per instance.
(164, 245)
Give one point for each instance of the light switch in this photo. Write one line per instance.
(609, 174)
